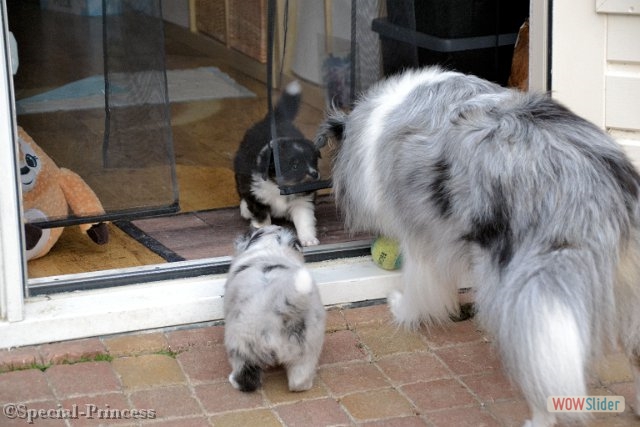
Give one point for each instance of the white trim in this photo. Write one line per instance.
(624, 7)
(627, 140)
(74, 315)
(579, 59)
(538, 45)
(12, 268)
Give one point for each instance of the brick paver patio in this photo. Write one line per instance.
(370, 374)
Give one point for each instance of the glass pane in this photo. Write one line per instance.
(225, 62)
(104, 115)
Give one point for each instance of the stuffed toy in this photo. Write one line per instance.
(50, 192)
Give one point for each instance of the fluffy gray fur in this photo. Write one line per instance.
(509, 193)
(273, 312)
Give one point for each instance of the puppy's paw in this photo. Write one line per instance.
(256, 224)
(300, 377)
(303, 386)
(308, 240)
(244, 210)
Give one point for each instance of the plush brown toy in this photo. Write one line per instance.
(50, 192)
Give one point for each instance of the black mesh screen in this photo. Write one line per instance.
(137, 136)
(119, 140)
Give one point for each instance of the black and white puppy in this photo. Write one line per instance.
(273, 311)
(255, 170)
(509, 193)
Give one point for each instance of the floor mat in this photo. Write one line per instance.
(210, 234)
(183, 85)
(75, 253)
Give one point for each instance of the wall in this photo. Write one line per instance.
(176, 11)
(596, 61)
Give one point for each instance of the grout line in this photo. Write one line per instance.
(192, 390)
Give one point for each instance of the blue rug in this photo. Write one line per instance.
(196, 84)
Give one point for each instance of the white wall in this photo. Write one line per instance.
(596, 60)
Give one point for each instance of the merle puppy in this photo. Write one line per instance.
(273, 311)
(255, 170)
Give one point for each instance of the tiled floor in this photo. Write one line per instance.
(370, 374)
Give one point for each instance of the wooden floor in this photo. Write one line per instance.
(205, 137)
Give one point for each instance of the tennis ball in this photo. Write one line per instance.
(386, 253)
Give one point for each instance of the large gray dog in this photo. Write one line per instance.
(511, 194)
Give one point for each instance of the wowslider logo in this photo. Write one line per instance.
(585, 404)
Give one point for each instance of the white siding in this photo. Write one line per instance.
(622, 86)
(596, 61)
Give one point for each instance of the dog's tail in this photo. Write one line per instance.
(332, 128)
(289, 102)
(550, 315)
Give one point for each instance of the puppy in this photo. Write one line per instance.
(509, 193)
(273, 312)
(256, 175)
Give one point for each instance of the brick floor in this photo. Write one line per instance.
(169, 402)
(146, 371)
(131, 345)
(182, 340)
(469, 358)
(387, 339)
(439, 394)
(343, 379)
(307, 413)
(19, 358)
(411, 367)
(377, 404)
(370, 374)
(24, 386)
(82, 379)
(71, 351)
(205, 365)
(276, 389)
(218, 397)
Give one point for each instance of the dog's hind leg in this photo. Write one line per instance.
(429, 285)
(301, 373)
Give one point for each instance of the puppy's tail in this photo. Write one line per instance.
(289, 102)
(332, 128)
(298, 292)
(303, 282)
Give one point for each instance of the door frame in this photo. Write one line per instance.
(178, 301)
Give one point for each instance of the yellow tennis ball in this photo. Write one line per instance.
(386, 253)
